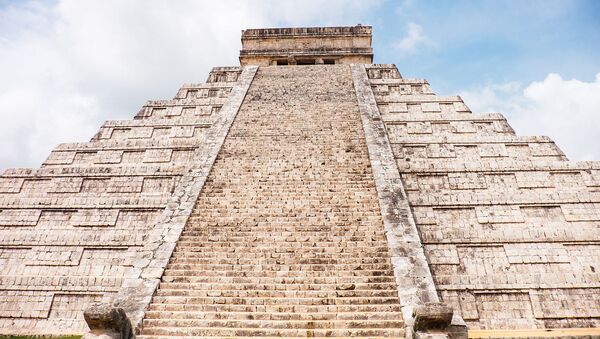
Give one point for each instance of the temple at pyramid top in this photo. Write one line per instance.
(306, 45)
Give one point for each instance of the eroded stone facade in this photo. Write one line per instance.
(511, 229)
(322, 200)
(71, 231)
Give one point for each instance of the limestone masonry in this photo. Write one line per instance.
(307, 193)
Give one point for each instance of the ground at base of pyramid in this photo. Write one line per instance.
(305, 193)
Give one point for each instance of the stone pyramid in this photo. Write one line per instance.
(306, 193)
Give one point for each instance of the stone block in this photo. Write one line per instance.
(432, 317)
(106, 321)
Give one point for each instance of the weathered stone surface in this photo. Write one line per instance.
(137, 290)
(413, 278)
(432, 317)
(509, 227)
(323, 200)
(458, 328)
(71, 231)
(106, 321)
(438, 320)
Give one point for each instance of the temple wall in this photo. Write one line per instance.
(343, 44)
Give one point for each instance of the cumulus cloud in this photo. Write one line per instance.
(414, 40)
(568, 111)
(68, 65)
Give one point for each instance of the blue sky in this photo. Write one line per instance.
(68, 65)
(476, 42)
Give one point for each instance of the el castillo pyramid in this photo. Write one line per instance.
(305, 193)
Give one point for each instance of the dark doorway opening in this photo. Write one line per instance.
(306, 62)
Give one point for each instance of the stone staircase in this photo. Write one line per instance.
(286, 239)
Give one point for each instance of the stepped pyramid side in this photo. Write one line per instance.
(511, 229)
(71, 231)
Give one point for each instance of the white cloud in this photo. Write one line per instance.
(568, 111)
(67, 66)
(414, 40)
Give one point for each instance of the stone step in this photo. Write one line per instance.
(263, 237)
(325, 247)
(277, 301)
(266, 332)
(247, 337)
(275, 287)
(299, 273)
(164, 292)
(274, 309)
(346, 228)
(242, 260)
(379, 315)
(298, 241)
(279, 267)
(272, 324)
(266, 253)
(309, 280)
(348, 231)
